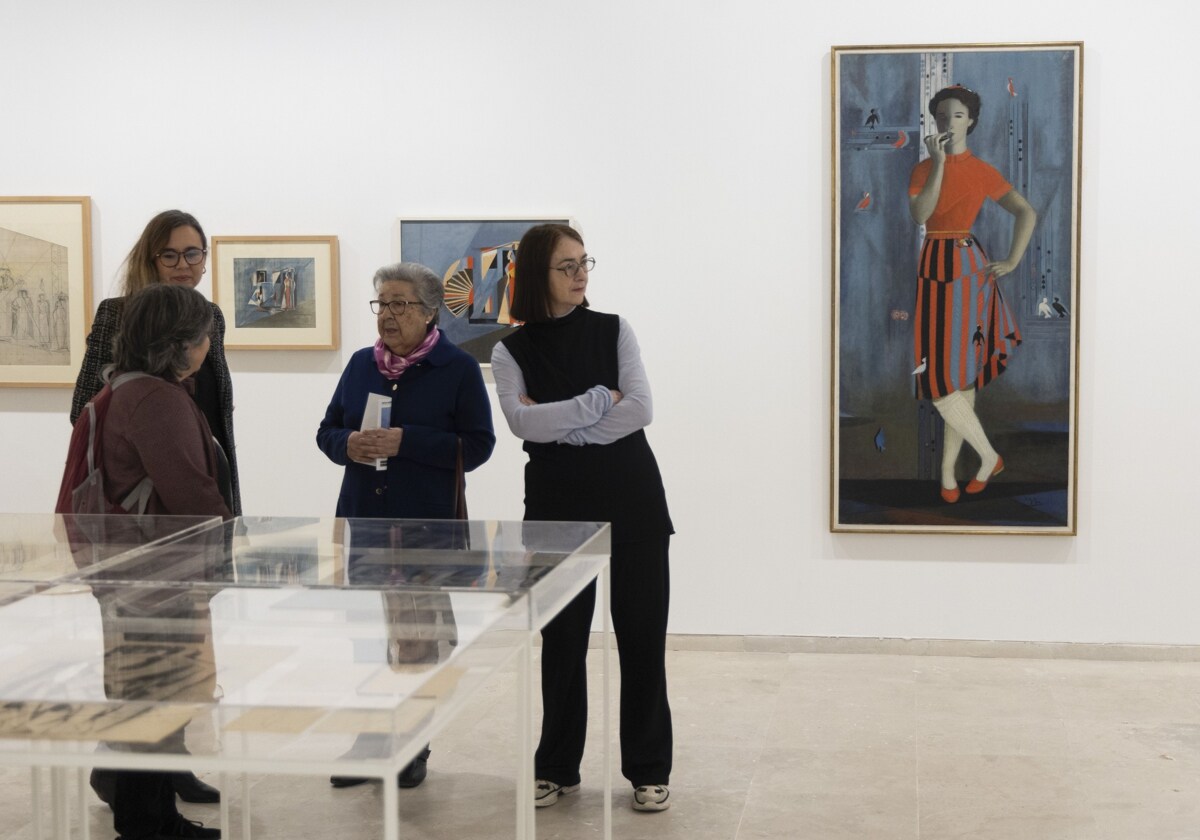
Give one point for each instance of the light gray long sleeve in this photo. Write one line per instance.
(590, 417)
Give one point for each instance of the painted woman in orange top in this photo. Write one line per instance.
(964, 332)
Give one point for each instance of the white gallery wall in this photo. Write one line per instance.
(691, 142)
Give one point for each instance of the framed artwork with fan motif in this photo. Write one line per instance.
(476, 259)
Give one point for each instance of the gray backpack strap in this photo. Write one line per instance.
(91, 450)
(117, 381)
(139, 497)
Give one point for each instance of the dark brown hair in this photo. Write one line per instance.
(964, 95)
(158, 327)
(531, 297)
(140, 270)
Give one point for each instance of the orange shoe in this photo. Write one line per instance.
(950, 496)
(976, 486)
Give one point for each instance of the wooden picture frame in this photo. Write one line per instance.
(926, 320)
(277, 292)
(45, 289)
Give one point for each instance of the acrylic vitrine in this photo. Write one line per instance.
(304, 646)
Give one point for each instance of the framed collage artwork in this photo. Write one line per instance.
(277, 292)
(476, 259)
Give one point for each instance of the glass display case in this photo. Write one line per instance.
(50, 548)
(303, 646)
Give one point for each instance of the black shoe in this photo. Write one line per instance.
(183, 827)
(347, 781)
(414, 773)
(411, 776)
(190, 789)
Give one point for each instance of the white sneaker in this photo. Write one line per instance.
(651, 798)
(546, 793)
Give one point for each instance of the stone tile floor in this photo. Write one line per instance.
(806, 745)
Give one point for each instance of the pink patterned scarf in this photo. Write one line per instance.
(391, 365)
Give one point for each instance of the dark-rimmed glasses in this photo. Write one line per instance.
(396, 307)
(170, 257)
(571, 268)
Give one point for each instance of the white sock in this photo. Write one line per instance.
(958, 410)
(951, 446)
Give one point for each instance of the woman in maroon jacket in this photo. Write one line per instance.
(154, 430)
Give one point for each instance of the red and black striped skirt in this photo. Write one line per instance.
(964, 332)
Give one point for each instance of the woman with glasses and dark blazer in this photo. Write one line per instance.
(172, 249)
(571, 385)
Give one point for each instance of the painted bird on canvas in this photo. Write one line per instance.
(863, 203)
(880, 441)
(1012, 89)
(921, 368)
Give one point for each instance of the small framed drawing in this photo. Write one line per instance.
(956, 196)
(476, 258)
(277, 292)
(45, 289)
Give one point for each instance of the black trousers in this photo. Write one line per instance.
(144, 663)
(143, 803)
(641, 587)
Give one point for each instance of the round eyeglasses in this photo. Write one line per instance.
(396, 307)
(572, 268)
(170, 257)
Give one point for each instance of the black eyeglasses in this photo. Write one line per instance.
(572, 268)
(170, 257)
(396, 307)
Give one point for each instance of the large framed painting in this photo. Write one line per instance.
(476, 259)
(45, 289)
(956, 192)
(277, 292)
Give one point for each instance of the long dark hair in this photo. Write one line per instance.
(531, 297)
(140, 270)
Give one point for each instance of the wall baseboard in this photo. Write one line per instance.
(1110, 651)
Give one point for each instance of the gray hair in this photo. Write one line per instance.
(425, 282)
(160, 324)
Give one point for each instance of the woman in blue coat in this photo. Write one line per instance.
(438, 399)
(438, 403)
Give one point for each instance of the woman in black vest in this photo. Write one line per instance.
(572, 386)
